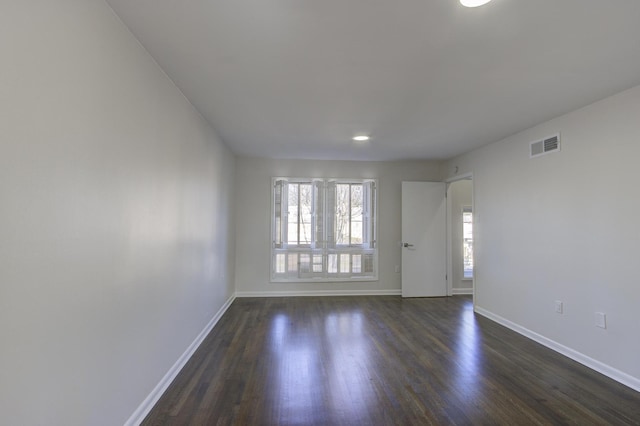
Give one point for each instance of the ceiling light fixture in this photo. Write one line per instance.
(473, 3)
(361, 138)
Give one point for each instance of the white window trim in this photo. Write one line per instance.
(340, 249)
(467, 209)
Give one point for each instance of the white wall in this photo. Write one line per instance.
(116, 243)
(565, 227)
(253, 219)
(459, 196)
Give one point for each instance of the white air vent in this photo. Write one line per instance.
(545, 146)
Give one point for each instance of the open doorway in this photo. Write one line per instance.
(460, 265)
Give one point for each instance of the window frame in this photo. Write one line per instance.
(465, 277)
(323, 247)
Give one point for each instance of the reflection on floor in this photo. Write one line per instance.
(382, 361)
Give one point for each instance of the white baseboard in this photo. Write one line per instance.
(298, 293)
(460, 291)
(607, 370)
(141, 412)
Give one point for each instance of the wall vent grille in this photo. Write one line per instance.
(544, 146)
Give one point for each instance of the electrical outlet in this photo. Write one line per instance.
(397, 269)
(559, 306)
(601, 320)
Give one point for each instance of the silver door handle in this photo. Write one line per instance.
(406, 245)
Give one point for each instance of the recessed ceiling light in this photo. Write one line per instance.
(474, 3)
(361, 138)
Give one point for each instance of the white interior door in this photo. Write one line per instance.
(424, 239)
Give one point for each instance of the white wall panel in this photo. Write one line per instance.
(564, 227)
(116, 231)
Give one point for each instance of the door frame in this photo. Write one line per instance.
(449, 181)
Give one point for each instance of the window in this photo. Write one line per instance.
(323, 229)
(467, 242)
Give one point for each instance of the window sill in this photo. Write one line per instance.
(324, 280)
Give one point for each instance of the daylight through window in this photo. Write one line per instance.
(323, 229)
(467, 241)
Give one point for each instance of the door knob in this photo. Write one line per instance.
(406, 245)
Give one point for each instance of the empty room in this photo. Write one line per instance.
(218, 212)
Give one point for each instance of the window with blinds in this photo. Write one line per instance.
(323, 230)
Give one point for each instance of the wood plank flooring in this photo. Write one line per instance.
(382, 361)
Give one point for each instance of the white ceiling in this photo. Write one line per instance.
(427, 79)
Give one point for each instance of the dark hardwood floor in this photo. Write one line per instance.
(382, 361)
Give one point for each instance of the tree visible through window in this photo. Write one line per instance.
(348, 213)
(299, 214)
(323, 229)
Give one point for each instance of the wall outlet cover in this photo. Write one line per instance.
(601, 320)
(559, 306)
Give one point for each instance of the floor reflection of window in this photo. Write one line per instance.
(297, 380)
(349, 363)
(469, 355)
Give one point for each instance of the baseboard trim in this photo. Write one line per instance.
(461, 291)
(302, 293)
(141, 412)
(607, 370)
